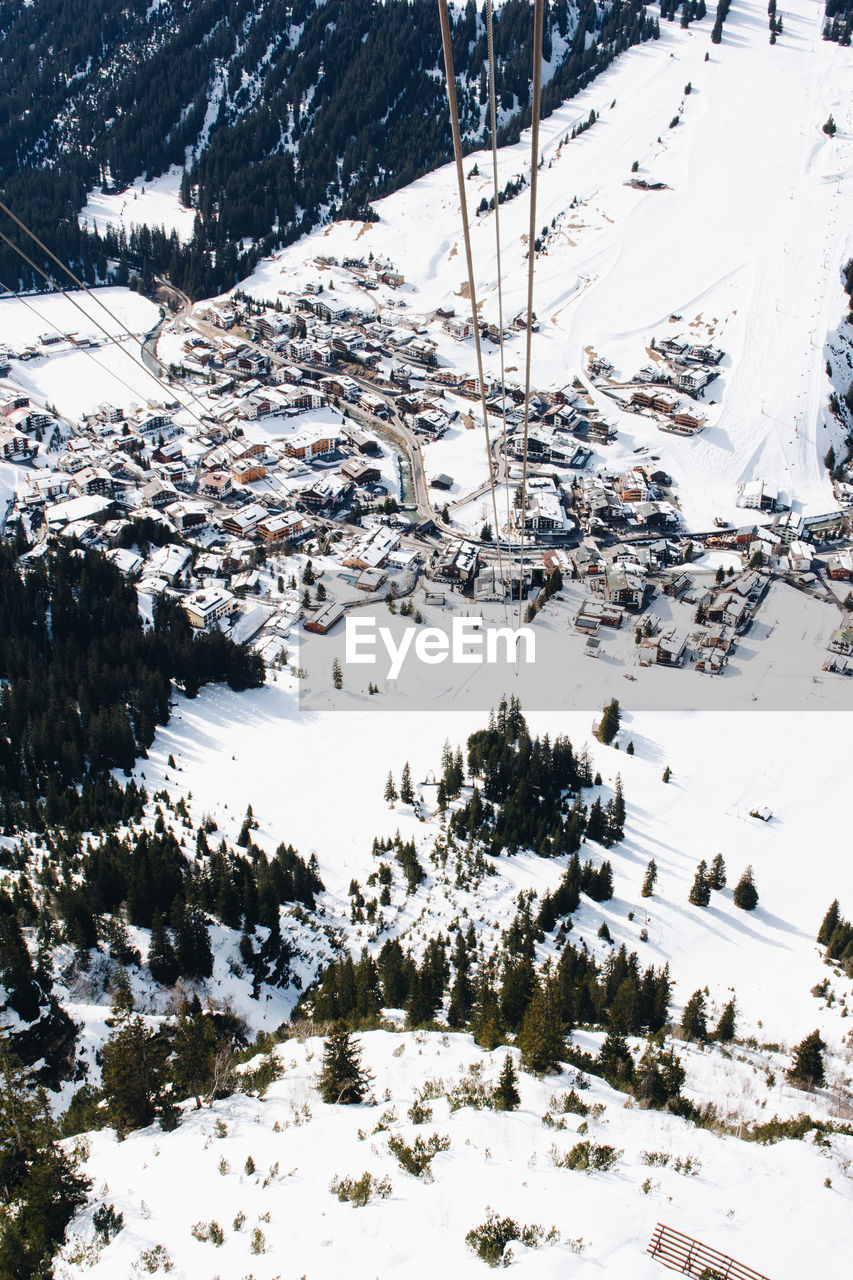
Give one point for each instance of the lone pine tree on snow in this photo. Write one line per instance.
(342, 1079)
(649, 879)
(506, 1095)
(407, 793)
(807, 1069)
(746, 894)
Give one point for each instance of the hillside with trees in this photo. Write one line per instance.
(281, 115)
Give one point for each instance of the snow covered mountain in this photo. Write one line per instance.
(275, 113)
(641, 924)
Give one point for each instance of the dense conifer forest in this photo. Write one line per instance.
(281, 114)
(83, 686)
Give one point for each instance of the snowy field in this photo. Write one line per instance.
(153, 204)
(78, 380)
(744, 247)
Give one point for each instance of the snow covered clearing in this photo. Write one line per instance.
(78, 379)
(152, 203)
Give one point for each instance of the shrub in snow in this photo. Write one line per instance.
(419, 1114)
(258, 1242)
(586, 1156)
(358, 1191)
(208, 1232)
(154, 1260)
(489, 1241)
(107, 1222)
(416, 1159)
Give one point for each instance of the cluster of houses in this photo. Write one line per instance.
(680, 368)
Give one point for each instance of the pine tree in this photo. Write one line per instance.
(194, 1053)
(658, 1077)
(162, 961)
(726, 1027)
(390, 790)
(541, 1039)
(666, 775)
(614, 1061)
(40, 1186)
(807, 1070)
(342, 1078)
(700, 893)
(746, 894)
(133, 1070)
(506, 1095)
(609, 724)
(616, 825)
(337, 672)
(717, 875)
(407, 793)
(649, 879)
(694, 1021)
(830, 920)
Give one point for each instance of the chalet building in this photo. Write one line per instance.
(597, 613)
(621, 586)
(757, 495)
(328, 494)
(247, 470)
(94, 480)
(324, 619)
(372, 548)
(205, 607)
(361, 472)
(840, 567)
(188, 516)
(286, 527)
(312, 442)
(15, 446)
(545, 513)
(455, 564)
(670, 650)
(360, 440)
(244, 521)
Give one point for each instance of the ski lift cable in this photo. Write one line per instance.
(494, 127)
(22, 298)
(111, 337)
(466, 232)
(538, 24)
(85, 288)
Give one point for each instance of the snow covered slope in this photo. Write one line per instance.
(783, 1209)
(743, 249)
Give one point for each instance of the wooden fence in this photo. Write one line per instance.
(692, 1258)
